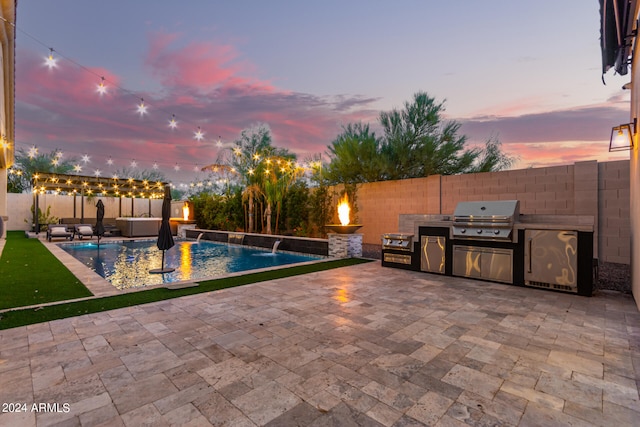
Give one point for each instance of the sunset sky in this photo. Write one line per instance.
(528, 73)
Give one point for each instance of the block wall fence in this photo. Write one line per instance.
(590, 188)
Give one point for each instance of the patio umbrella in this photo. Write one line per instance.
(99, 217)
(165, 238)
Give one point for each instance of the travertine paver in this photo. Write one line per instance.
(357, 346)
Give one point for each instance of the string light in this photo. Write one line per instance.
(198, 135)
(102, 89)
(86, 159)
(33, 152)
(142, 109)
(50, 61)
(134, 164)
(173, 123)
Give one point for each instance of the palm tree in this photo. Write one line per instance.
(280, 173)
(246, 157)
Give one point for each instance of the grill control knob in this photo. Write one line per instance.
(480, 231)
(496, 231)
(464, 230)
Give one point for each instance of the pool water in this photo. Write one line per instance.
(126, 264)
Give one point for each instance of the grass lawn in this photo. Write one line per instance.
(30, 274)
(21, 317)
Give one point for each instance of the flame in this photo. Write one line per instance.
(185, 211)
(343, 210)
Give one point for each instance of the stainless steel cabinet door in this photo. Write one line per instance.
(551, 258)
(433, 254)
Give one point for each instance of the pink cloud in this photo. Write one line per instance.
(204, 66)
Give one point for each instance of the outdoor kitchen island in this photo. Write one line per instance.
(493, 241)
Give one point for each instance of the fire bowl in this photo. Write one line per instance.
(343, 229)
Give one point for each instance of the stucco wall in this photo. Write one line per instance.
(19, 208)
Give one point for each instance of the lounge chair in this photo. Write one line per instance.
(58, 231)
(83, 230)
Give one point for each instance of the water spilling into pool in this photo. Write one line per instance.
(126, 264)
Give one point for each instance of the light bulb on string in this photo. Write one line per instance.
(219, 143)
(77, 168)
(142, 109)
(176, 167)
(97, 172)
(198, 135)
(51, 61)
(110, 161)
(155, 166)
(33, 152)
(102, 89)
(173, 123)
(134, 164)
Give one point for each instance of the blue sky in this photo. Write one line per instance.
(527, 73)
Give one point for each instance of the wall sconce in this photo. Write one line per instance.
(622, 137)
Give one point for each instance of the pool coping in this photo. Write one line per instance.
(100, 287)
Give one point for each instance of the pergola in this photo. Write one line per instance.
(78, 185)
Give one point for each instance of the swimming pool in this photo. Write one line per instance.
(126, 264)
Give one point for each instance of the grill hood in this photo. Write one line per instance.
(485, 220)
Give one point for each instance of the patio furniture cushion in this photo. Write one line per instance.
(84, 230)
(58, 231)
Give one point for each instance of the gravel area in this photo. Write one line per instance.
(614, 277)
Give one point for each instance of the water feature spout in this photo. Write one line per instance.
(199, 236)
(275, 246)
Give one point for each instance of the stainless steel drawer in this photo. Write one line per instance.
(483, 263)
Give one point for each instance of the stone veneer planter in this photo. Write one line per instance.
(345, 245)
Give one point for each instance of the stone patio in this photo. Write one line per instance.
(356, 346)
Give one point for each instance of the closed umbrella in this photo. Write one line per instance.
(99, 231)
(165, 238)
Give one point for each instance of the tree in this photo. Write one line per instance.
(141, 174)
(355, 156)
(417, 142)
(248, 150)
(492, 158)
(29, 162)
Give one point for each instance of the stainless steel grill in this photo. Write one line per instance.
(486, 220)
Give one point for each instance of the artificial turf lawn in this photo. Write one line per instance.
(21, 317)
(30, 274)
